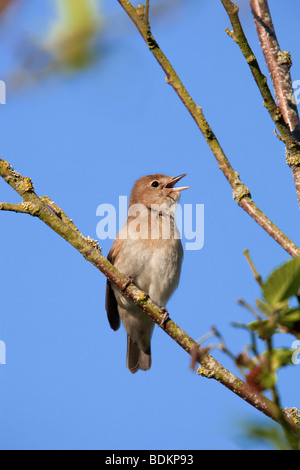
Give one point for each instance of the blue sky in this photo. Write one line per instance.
(84, 138)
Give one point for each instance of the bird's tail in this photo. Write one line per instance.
(136, 357)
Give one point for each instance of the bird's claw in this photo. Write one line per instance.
(166, 316)
(128, 281)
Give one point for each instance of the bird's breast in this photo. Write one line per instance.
(155, 265)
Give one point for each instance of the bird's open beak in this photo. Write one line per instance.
(170, 184)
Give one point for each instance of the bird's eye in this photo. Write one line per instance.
(155, 184)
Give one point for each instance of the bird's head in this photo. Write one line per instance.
(156, 190)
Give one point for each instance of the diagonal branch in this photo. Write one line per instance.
(279, 64)
(241, 193)
(239, 37)
(57, 220)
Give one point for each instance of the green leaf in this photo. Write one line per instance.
(77, 16)
(268, 380)
(270, 434)
(264, 328)
(282, 283)
(280, 357)
(72, 34)
(264, 308)
(289, 317)
(291, 314)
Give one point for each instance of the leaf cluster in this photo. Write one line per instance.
(277, 311)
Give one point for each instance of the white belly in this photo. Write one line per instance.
(155, 267)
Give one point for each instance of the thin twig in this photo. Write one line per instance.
(256, 274)
(294, 443)
(250, 309)
(147, 8)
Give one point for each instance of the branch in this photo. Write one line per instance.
(56, 219)
(279, 64)
(239, 37)
(241, 193)
(257, 276)
(21, 208)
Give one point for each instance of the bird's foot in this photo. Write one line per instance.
(166, 316)
(128, 281)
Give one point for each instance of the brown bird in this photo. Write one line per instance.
(148, 250)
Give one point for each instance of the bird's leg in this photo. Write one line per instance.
(166, 316)
(128, 281)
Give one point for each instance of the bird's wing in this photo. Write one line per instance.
(110, 299)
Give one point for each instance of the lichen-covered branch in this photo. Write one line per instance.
(285, 114)
(21, 208)
(241, 193)
(48, 212)
(279, 64)
(238, 35)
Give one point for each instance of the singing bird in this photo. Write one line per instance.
(148, 250)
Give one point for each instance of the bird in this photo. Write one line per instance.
(148, 250)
